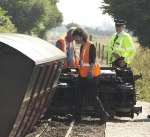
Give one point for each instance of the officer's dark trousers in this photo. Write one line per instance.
(88, 87)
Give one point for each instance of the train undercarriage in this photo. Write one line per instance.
(115, 89)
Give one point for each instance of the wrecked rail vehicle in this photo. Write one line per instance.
(29, 70)
(115, 89)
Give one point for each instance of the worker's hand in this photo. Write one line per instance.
(121, 63)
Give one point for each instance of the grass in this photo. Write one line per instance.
(141, 64)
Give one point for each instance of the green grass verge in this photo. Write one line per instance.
(141, 64)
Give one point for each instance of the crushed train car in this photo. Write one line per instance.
(29, 70)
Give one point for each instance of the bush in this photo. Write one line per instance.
(5, 23)
(141, 64)
(136, 13)
(33, 16)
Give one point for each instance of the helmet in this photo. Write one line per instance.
(80, 32)
(119, 21)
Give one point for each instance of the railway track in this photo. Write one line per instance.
(69, 128)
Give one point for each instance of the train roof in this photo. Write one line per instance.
(38, 50)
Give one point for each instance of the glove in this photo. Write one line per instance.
(121, 63)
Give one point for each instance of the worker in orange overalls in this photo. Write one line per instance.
(60, 43)
(89, 71)
(67, 45)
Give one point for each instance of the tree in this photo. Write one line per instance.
(136, 13)
(5, 23)
(33, 16)
(50, 19)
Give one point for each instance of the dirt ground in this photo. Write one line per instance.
(125, 127)
(88, 129)
(120, 127)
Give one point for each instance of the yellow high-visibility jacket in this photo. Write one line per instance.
(121, 44)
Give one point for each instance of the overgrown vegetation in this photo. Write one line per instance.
(32, 16)
(5, 22)
(141, 64)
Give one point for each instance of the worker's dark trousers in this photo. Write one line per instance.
(88, 88)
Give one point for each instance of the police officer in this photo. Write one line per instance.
(121, 49)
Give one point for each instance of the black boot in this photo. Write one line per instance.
(104, 117)
(77, 118)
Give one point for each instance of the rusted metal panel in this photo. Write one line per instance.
(29, 68)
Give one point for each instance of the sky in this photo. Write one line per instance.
(85, 12)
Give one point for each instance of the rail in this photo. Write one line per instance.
(69, 128)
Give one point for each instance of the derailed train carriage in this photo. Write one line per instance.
(115, 89)
(29, 70)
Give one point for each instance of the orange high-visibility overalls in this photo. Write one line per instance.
(85, 66)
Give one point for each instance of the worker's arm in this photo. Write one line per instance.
(130, 49)
(92, 55)
(92, 59)
(80, 63)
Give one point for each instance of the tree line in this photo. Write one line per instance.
(136, 13)
(29, 16)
